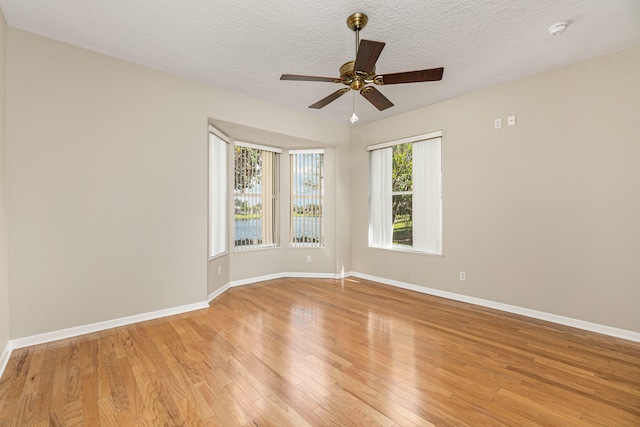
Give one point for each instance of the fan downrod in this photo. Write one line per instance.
(357, 21)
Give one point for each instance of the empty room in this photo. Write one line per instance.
(411, 213)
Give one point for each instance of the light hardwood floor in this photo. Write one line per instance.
(327, 353)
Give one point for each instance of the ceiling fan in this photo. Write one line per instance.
(358, 74)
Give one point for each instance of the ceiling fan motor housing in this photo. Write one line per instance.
(353, 79)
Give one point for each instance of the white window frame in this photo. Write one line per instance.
(427, 238)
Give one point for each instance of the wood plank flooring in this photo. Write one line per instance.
(314, 352)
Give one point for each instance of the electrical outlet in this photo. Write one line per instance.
(463, 275)
(308, 258)
(498, 123)
(219, 270)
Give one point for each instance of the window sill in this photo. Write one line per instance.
(265, 248)
(408, 251)
(220, 255)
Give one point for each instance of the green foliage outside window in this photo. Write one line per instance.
(401, 187)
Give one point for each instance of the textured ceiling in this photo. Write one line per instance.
(244, 46)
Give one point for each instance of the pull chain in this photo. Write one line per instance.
(354, 118)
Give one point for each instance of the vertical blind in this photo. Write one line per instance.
(381, 219)
(307, 197)
(217, 192)
(256, 184)
(427, 199)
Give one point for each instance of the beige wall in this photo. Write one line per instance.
(543, 215)
(4, 288)
(107, 183)
(343, 200)
(107, 190)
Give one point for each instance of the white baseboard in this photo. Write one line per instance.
(219, 292)
(252, 280)
(4, 358)
(541, 315)
(100, 326)
(310, 275)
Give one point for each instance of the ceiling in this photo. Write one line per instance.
(244, 46)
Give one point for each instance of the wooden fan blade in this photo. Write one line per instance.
(309, 78)
(431, 75)
(324, 101)
(368, 54)
(374, 96)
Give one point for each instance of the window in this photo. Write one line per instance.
(307, 193)
(256, 194)
(217, 192)
(406, 194)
